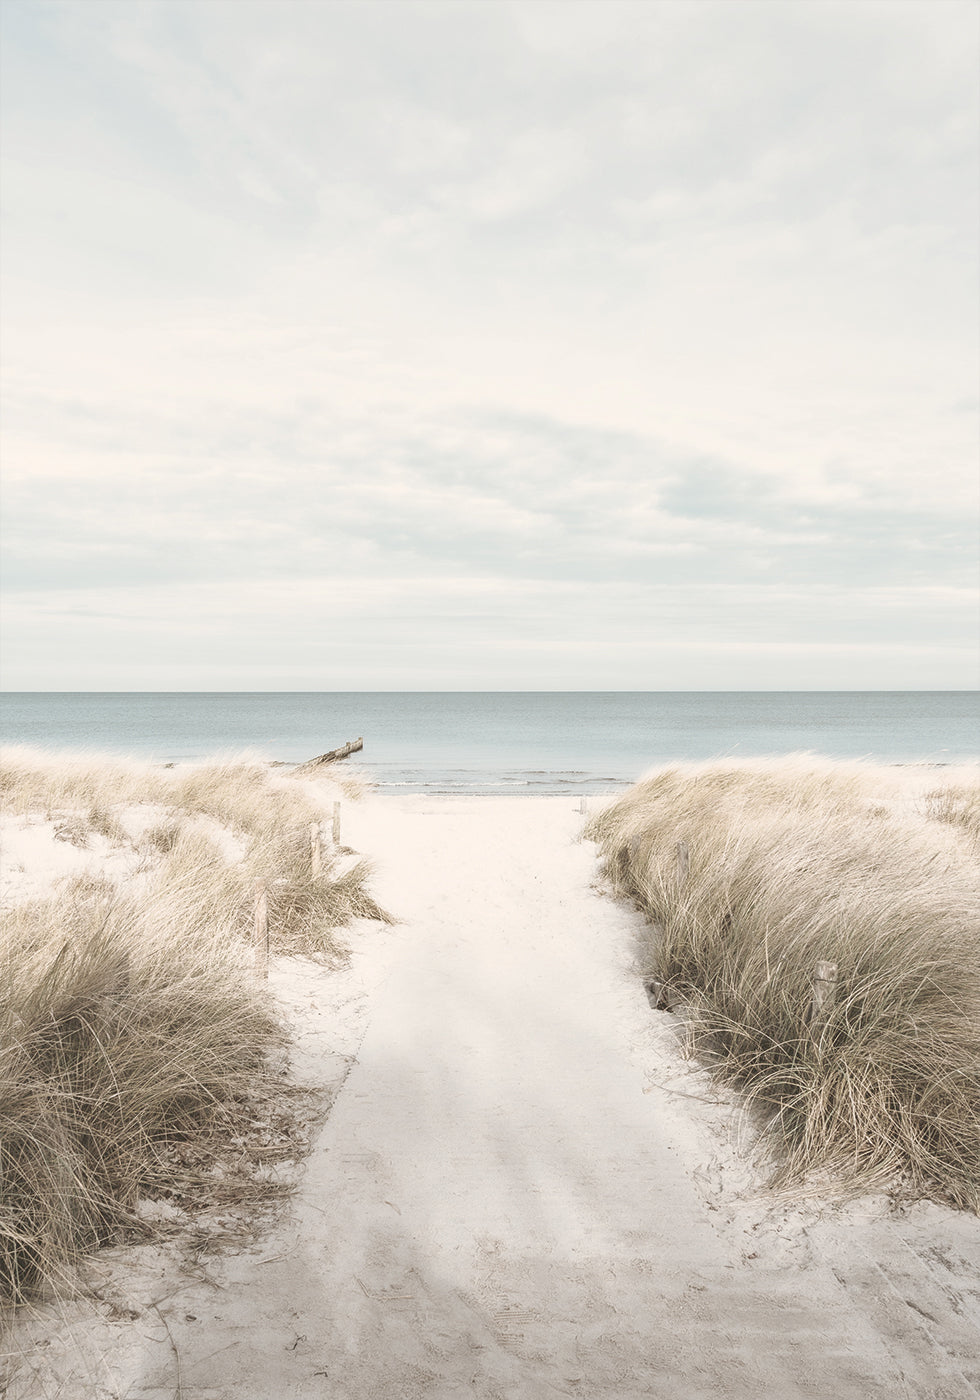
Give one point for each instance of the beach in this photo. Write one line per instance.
(524, 1185)
(489, 710)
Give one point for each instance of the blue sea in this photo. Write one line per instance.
(503, 741)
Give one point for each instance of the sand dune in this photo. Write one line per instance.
(523, 1188)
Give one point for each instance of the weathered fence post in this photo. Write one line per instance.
(261, 933)
(336, 824)
(583, 805)
(316, 852)
(824, 988)
(683, 861)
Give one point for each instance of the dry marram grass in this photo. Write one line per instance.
(132, 1029)
(789, 864)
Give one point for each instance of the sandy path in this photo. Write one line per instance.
(496, 1208)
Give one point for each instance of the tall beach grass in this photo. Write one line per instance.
(752, 874)
(132, 1026)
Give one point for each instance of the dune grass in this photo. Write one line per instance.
(132, 1027)
(794, 862)
(127, 1026)
(958, 804)
(205, 811)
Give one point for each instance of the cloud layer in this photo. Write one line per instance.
(490, 344)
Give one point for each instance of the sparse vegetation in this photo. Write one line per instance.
(958, 805)
(794, 862)
(162, 838)
(73, 828)
(132, 1028)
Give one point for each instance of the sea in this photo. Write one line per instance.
(502, 742)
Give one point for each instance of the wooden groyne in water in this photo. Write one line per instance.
(334, 755)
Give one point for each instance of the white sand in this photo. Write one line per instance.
(523, 1189)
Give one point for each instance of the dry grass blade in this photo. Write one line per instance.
(791, 864)
(133, 1034)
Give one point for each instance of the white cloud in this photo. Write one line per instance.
(604, 296)
(460, 632)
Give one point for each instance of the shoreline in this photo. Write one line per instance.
(554, 782)
(492, 741)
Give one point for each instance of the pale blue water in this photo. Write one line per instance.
(518, 742)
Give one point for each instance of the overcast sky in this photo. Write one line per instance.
(491, 345)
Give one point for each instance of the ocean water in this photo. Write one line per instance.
(503, 742)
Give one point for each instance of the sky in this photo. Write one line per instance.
(490, 344)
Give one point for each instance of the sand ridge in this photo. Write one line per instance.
(523, 1188)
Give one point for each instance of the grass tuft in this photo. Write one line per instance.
(957, 805)
(790, 864)
(125, 1028)
(133, 1032)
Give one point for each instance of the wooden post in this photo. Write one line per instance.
(336, 824)
(683, 862)
(583, 805)
(824, 988)
(261, 934)
(345, 751)
(316, 854)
